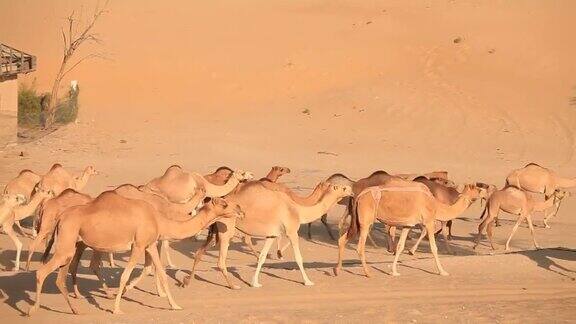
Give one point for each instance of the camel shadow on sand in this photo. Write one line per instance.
(546, 259)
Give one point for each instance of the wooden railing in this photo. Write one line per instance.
(13, 61)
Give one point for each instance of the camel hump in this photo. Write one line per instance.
(56, 166)
(533, 164)
(420, 178)
(224, 168)
(379, 172)
(338, 175)
(127, 185)
(26, 171)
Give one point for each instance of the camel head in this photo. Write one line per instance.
(222, 208)
(560, 194)
(472, 192)
(340, 190)
(46, 192)
(223, 173)
(90, 171)
(280, 170)
(444, 182)
(13, 200)
(243, 175)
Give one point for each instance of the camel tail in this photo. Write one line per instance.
(212, 234)
(485, 210)
(354, 221)
(39, 215)
(49, 245)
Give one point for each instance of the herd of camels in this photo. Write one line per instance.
(180, 204)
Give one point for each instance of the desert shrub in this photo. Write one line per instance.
(30, 112)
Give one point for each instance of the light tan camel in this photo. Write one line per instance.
(220, 176)
(398, 203)
(18, 213)
(275, 173)
(535, 178)
(178, 185)
(268, 214)
(430, 175)
(517, 202)
(112, 223)
(337, 179)
(58, 179)
(7, 204)
(24, 185)
(49, 216)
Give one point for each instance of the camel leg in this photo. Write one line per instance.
(134, 255)
(41, 237)
(342, 222)
(324, 220)
(361, 248)
(145, 270)
(434, 248)
(152, 251)
(449, 226)
(197, 258)
(309, 231)
(399, 250)
(372, 241)
(55, 262)
(248, 241)
(61, 284)
(391, 239)
(514, 229)
(547, 216)
(294, 241)
(12, 235)
(165, 247)
(446, 237)
(224, 244)
(111, 260)
(279, 248)
(490, 233)
(95, 264)
(73, 266)
(531, 226)
(267, 244)
(415, 247)
(341, 246)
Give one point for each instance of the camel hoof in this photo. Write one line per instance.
(336, 271)
(117, 312)
(411, 252)
(308, 283)
(546, 226)
(538, 247)
(395, 274)
(279, 255)
(235, 287)
(186, 281)
(256, 285)
(31, 311)
(444, 273)
(368, 274)
(162, 294)
(176, 307)
(78, 296)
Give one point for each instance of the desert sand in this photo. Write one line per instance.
(477, 88)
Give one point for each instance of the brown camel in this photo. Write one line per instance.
(220, 176)
(178, 185)
(112, 223)
(398, 203)
(535, 178)
(275, 173)
(517, 202)
(268, 214)
(19, 213)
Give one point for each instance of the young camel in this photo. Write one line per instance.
(178, 185)
(337, 179)
(537, 179)
(268, 214)
(24, 185)
(18, 213)
(517, 202)
(398, 203)
(109, 223)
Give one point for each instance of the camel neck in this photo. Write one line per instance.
(272, 176)
(566, 182)
(309, 200)
(81, 181)
(23, 211)
(449, 212)
(543, 205)
(213, 190)
(178, 230)
(308, 214)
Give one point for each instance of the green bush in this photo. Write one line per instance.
(30, 107)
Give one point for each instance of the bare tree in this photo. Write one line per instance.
(73, 40)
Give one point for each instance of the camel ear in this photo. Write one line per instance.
(219, 202)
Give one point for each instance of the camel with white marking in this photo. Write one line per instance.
(24, 185)
(537, 179)
(7, 204)
(19, 213)
(268, 214)
(112, 223)
(398, 203)
(517, 202)
(178, 185)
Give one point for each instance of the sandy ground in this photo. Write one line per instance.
(473, 87)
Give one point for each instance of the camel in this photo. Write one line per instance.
(275, 173)
(447, 196)
(18, 213)
(398, 203)
(338, 179)
(178, 185)
(8, 203)
(442, 175)
(537, 179)
(112, 223)
(268, 214)
(220, 176)
(517, 202)
(58, 179)
(23, 184)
